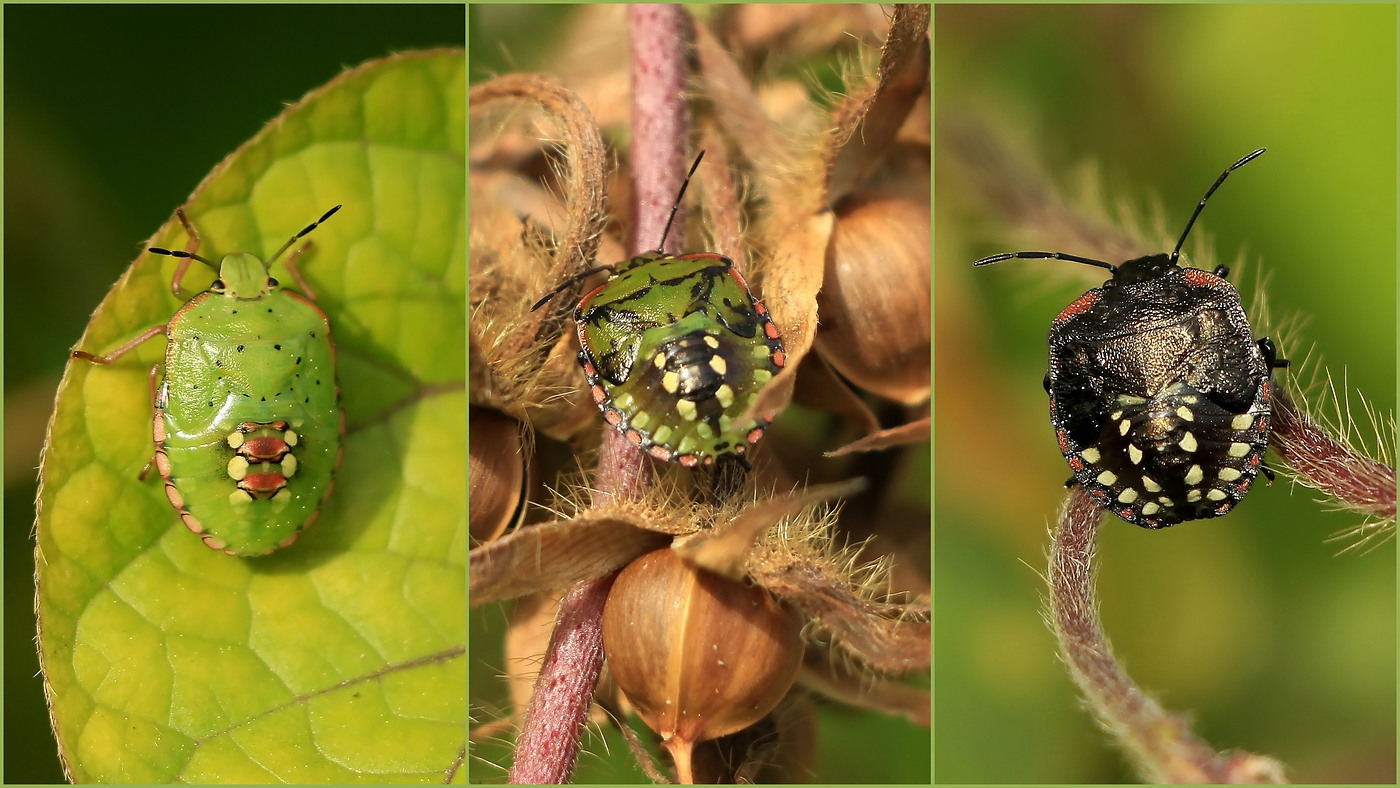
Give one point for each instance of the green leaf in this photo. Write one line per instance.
(341, 657)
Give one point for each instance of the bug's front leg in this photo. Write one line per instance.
(290, 263)
(191, 246)
(121, 351)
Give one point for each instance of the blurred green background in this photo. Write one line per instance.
(113, 114)
(853, 746)
(1251, 624)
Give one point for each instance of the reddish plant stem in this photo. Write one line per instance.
(659, 122)
(1160, 744)
(1328, 465)
(548, 745)
(623, 473)
(547, 748)
(660, 43)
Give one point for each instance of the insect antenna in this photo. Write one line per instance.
(677, 204)
(1176, 251)
(1073, 258)
(300, 235)
(664, 232)
(571, 280)
(184, 254)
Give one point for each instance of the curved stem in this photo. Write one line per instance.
(683, 753)
(1158, 742)
(1329, 465)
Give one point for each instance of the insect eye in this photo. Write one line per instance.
(218, 286)
(272, 282)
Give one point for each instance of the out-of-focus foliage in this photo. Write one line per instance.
(1249, 623)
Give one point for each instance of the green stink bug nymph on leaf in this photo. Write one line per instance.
(675, 349)
(247, 421)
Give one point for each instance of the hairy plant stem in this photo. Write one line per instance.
(1327, 464)
(1160, 744)
(660, 120)
(547, 748)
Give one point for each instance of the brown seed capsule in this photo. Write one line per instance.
(496, 472)
(875, 302)
(698, 655)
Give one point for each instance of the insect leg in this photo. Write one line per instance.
(1271, 359)
(191, 246)
(308, 228)
(290, 262)
(121, 351)
(151, 381)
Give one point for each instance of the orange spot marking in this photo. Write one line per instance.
(262, 484)
(268, 449)
(1196, 276)
(1080, 304)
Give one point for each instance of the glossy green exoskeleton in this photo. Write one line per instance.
(247, 424)
(675, 348)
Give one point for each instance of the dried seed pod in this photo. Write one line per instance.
(496, 472)
(698, 655)
(875, 302)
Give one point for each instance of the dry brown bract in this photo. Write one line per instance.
(824, 205)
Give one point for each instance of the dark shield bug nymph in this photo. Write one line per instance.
(1159, 394)
(675, 349)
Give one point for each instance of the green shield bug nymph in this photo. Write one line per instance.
(247, 424)
(675, 349)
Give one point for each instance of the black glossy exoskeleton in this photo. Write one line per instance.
(1159, 393)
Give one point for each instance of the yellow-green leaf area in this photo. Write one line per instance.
(340, 657)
